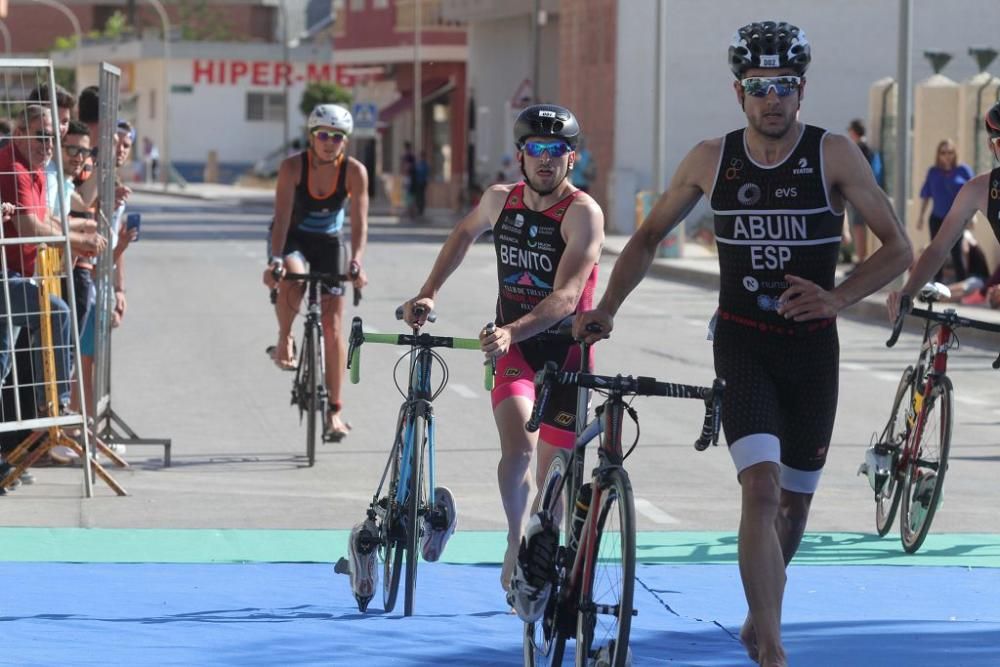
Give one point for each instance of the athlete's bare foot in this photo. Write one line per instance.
(748, 636)
(284, 353)
(777, 660)
(336, 428)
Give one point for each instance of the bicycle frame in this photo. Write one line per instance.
(924, 384)
(417, 403)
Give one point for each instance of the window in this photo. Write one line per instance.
(380, 4)
(265, 106)
(357, 5)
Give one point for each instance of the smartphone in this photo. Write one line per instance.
(132, 221)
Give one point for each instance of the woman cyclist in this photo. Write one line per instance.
(313, 188)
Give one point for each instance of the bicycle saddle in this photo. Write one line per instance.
(932, 292)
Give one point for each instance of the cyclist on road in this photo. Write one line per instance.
(982, 193)
(778, 188)
(313, 187)
(548, 237)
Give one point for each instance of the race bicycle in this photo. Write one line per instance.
(405, 495)
(593, 577)
(906, 465)
(309, 392)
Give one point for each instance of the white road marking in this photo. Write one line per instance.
(462, 390)
(652, 512)
(864, 368)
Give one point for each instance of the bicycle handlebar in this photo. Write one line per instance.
(318, 277)
(358, 337)
(628, 385)
(948, 317)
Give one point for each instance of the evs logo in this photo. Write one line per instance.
(786, 193)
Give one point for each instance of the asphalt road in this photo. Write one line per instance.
(189, 364)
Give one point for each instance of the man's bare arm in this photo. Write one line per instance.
(692, 179)
(971, 198)
(849, 172)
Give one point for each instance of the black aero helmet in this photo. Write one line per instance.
(992, 121)
(769, 45)
(546, 120)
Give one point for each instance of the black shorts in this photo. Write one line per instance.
(784, 386)
(322, 252)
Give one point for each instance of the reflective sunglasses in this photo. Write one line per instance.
(78, 151)
(760, 86)
(555, 149)
(326, 135)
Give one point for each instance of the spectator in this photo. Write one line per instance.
(421, 175)
(22, 182)
(942, 184)
(151, 155)
(406, 168)
(859, 230)
(584, 170)
(65, 103)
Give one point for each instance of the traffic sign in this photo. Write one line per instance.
(365, 119)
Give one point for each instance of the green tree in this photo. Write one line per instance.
(202, 22)
(323, 93)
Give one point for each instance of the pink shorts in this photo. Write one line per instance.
(515, 376)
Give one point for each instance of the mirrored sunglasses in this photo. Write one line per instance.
(555, 149)
(78, 151)
(760, 86)
(326, 135)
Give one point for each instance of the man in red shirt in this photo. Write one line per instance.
(22, 183)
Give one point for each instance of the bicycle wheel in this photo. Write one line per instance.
(393, 531)
(311, 380)
(544, 643)
(604, 613)
(920, 496)
(415, 504)
(894, 435)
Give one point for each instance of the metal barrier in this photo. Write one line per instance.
(110, 428)
(36, 258)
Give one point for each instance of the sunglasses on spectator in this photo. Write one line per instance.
(326, 135)
(44, 137)
(760, 86)
(555, 149)
(78, 151)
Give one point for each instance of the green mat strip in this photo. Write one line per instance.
(103, 545)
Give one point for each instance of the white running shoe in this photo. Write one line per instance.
(531, 585)
(363, 557)
(434, 539)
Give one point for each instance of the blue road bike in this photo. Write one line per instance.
(405, 493)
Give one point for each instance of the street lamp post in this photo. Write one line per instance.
(158, 6)
(284, 59)
(55, 4)
(418, 93)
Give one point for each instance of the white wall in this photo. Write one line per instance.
(499, 60)
(853, 41)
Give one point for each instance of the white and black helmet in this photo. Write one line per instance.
(331, 115)
(769, 45)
